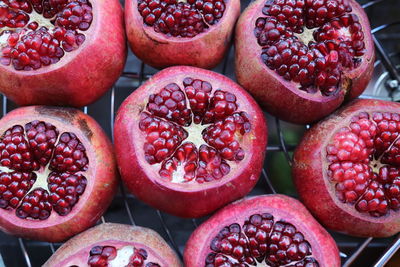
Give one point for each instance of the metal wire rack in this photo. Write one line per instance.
(127, 209)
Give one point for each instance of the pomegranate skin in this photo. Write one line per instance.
(185, 200)
(324, 248)
(313, 185)
(81, 76)
(283, 98)
(204, 50)
(102, 176)
(76, 250)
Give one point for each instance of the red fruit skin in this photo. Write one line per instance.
(76, 250)
(81, 76)
(185, 200)
(313, 187)
(102, 176)
(324, 248)
(282, 98)
(205, 50)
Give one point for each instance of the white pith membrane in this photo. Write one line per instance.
(363, 163)
(122, 256)
(43, 173)
(194, 133)
(264, 236)
(336, 49)
(72, 38)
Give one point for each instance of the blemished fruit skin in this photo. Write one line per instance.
(204, 50)
(309, 174)
(76, 250)
(283, 98)
(188, 200)
(324, 248)
(102, 176)
(81, 76)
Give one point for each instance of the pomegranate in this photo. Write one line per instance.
(315, 53)
(270, 230)
(189, 141)
(60, 52)
(57, 173)
(115, 245)
(347, 169)
(164, 33)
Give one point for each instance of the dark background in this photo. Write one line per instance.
(384, 17)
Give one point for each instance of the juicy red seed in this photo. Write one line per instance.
(69, 155)
(42, 137)
(170, 103)
(100, 255)
(364, 161)
(198, 92)
(13, 187)
(319, 64)
(31, 46)
(15, 152)
(65, 190)
(260, 239)
(180, 19)
(222, 104)
(221, 135)
(35, 205)
(162, 138)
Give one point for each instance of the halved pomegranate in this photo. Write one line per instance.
(301, 59)
(270, 230)
(189, 140)
(57, 173)
(60, 52)
(164, 33)
(115, 245)
(347, 169)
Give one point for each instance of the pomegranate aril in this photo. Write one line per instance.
(351, 179)
(35, 205)
(211, 166)
(223, 134)
(100, 255)
(65, 190)
(69, 155)
(198, 92)
(13, 187)
(162, 138)
(42, 137)
(222, 104)
(14, 151)
(184, 159)
(170, 103)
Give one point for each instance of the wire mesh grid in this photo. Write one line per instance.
(127, 209)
